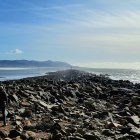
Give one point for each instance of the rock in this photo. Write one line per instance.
(58, 136)
(56, 126)
(31, 92)
(78, 135)
(45, 105)
(123, 121)
(3, 134)
(124, 137)
(14, 134)
(44, 124)
(135, 131)
(18, 118)
(30, 135)
(90, 105)
(18, 138)
(7, 139)
(27, 123)
(75, 138)
(79, 95)
(58, 109)
(25, 104)
(107, 132)
(71, 130)
(89, 136)
(76, 85)
(81, 131)
(13, 98)
(113, 125)
(27, 113)
(10, 113)
(125, 130)
(17, 123)
(23, 94)
(21, 110)
(42, 103)
(135, 120)
(136, 100)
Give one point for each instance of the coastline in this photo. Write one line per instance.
(74, 104)
(115, 74)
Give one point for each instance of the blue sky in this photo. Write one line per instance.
(91, 33)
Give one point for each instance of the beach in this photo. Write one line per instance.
(72, 105)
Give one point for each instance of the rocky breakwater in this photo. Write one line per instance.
(72, 105)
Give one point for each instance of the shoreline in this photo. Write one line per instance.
(114, 74)
(74, 105)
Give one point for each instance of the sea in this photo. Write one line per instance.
(116, 74)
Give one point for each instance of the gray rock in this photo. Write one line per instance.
(17, 123)
(21, 110)
(135, 120)
(81, 131)
(14, 134)
(31, 92)
(136, 100)
(135, 131)
(71, 130)
(13, 98)
(30, 135)
(3, 134)
(27, 113)
(7, 138)
(124, 137)
(75, 138)
(42, 103)
(107, 132)
(89, 136)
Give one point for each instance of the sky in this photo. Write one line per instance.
(88, 33)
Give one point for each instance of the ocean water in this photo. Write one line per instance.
(19, 73)
(117, 74)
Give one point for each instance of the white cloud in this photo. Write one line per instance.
(16, 51)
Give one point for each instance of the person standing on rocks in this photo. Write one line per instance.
(3, 104)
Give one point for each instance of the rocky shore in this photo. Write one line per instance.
(72, 105)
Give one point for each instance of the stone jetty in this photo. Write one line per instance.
(72, 105)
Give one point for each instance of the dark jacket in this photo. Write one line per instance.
(3, 99)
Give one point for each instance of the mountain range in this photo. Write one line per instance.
(32, 63)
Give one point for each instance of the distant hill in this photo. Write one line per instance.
(32, 63)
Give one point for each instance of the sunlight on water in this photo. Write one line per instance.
(116, 74)
(11, 68)
(18, 73)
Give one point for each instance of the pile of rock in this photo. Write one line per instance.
(73, 105)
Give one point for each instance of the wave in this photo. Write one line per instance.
(13, 68)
